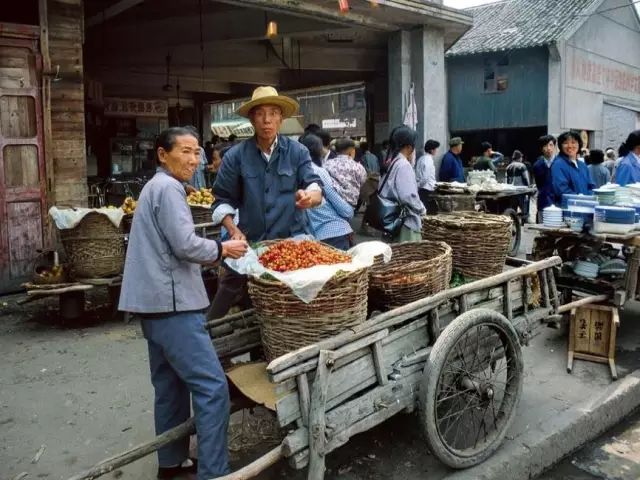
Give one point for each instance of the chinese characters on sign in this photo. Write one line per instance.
(607, 77)
(131, 107)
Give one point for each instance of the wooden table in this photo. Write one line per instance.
(628, 288)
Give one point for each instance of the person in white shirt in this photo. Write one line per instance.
(426, 171)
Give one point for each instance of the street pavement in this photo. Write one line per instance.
(613, 456)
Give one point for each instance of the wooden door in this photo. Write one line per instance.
(22, 175)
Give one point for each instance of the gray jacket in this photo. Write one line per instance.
(401, 186)
(162, 268)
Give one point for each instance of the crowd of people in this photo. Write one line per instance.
(273, 187)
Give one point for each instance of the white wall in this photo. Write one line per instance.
(601, 62)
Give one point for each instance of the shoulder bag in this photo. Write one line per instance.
(384, 214)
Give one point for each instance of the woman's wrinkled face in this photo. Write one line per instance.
(183, 159)
(570, 147)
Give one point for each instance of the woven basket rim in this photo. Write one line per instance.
(463, 220)
(378, 269)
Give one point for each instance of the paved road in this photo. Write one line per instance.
(614, 456)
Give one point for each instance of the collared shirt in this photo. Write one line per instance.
(401, 186)
(569, 177)
(267, 156)
(347, 176)
(547, 161)
(370, 163)
(264, 193)
(628, 171)
(600, 174)
(426, 172)
(331, 218)
(162, 268)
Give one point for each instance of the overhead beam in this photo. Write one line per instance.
(318, 12)
(155, 83)
(111, 11)
(252, 76)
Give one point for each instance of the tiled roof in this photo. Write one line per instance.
(511, 24)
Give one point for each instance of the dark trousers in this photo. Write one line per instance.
(341, 243)
(185, 368)
(424, 195)
(232, 290)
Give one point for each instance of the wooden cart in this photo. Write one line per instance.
(455, 356)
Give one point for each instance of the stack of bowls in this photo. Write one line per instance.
(610, 219)
(606, 196)
(623, 196)
(573, 196)
(634, 189)
(552, 217)
(636, 207)
(580, 208)
(586, 269)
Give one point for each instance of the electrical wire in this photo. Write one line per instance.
(635, 2)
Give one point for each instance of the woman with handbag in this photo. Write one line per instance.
(398, 186)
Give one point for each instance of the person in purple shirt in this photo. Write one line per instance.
(628, 170)
(568, 174)
(451, 169)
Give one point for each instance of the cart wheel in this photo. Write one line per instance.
(516, 230)
(470, 388)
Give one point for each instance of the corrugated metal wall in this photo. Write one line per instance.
(522, 104)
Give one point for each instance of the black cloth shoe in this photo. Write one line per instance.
(171, 473)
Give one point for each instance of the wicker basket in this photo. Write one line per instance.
(95, 247)
(480, 241)
(200, 214)
(287, 323)
(416, 270)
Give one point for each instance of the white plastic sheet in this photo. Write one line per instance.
(66, 218)
(307, 283)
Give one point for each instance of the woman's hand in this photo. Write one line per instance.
(308, 199)
(234, 248)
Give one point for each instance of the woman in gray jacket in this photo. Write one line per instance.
(162, 285)
(399, 182)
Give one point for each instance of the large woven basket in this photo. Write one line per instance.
(95, 247)
(480, 241)
(200, 214)
(287, 323)
(416, 270)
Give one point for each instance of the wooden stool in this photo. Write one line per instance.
(592, 335)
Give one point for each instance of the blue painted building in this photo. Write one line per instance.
(531, 67)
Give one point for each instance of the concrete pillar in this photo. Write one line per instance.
(555, 103)
(399, 67)
(429, 78)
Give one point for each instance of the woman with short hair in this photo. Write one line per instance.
(568, 174)
(328, 222)
(399, 183)
(628, 171)
(600, 174)
(162, 284)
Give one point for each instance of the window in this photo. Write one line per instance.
(495, 74)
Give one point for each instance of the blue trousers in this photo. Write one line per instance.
(184, 364)
(341, 242)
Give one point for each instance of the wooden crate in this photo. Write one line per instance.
(592, 335)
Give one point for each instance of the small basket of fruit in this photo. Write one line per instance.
(288, 323)
(200, 203)
(47, 272)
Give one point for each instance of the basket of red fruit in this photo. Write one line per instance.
(287, 322)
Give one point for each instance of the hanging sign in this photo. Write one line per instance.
(335, 123)
(135, 107)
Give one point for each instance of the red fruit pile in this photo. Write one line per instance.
(290, 255)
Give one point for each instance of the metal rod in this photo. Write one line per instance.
(583, 301)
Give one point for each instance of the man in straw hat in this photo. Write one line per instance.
(268, 178)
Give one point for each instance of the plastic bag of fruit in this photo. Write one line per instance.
(305, 265)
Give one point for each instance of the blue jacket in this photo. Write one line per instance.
(628, 171)
(568, 178)
(542, 176)
(264, 192)
(451, 169)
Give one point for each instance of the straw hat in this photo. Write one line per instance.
(269, 96)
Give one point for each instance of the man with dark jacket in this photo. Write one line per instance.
(542, 172)
(268, 179)
(451, 169)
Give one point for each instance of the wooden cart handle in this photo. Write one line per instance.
(257, 466)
